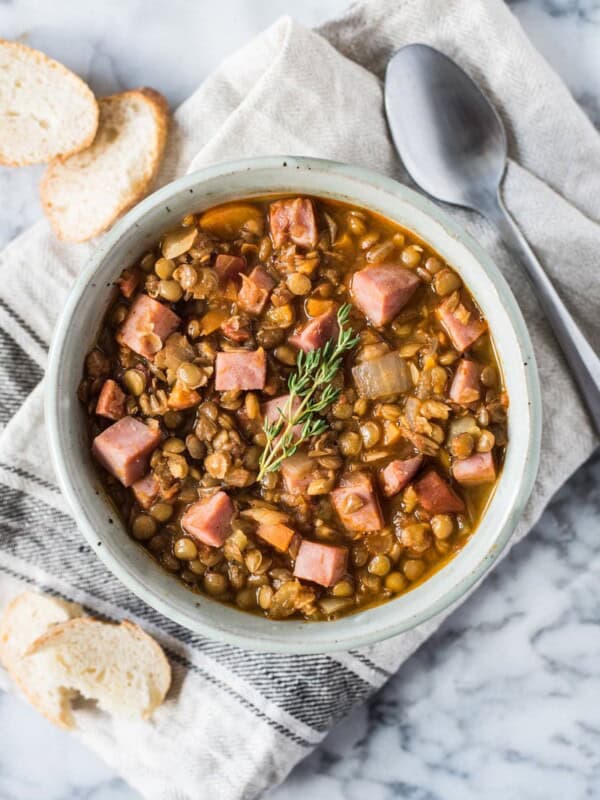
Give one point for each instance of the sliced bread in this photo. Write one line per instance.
(24, 620)
(46, 111)
(119, 666)
(84, 194)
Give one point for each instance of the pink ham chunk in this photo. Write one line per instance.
(355, 488)
(316, 332)
(475, 470)
(436, 496)
(321, 563)
(111, 401)
(297, 472)
(129, 281)
(272, 408)
(398, 473)
(382, 291)
(146, 490)
(229, 267)
(255, 291)
(147, 326)
(209, 520)
(465, 387)
(461, 322)
(124, 449)
(293, 220)
(241, 370)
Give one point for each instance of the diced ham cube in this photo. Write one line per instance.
(356, 503)
(146, 490)
(436, 496)
(271, 409)
(465, 388)
(293, 220)
(129, 281)
(297, 472)
(209, 520)
(241, 370)
(461, 322)
(278, 536)
(147, 326)
(229, 267)
(398, 473)
(321, 563)
(316, 332)
(475, 470)
(111, 401)
(382, 291)
(124, 449)
(255, 290)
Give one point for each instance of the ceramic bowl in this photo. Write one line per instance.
(81, 319)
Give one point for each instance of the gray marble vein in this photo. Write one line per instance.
(503, 702)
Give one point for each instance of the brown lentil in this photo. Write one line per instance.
(162, 511)
(134, 381)
(395, 582)
(185, 549)
(143, 527)
(214, 583)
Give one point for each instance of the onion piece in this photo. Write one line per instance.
(265, 516)
(466, 424)
(333, 605)
(176, 243)
(177, 349)
(382, 377)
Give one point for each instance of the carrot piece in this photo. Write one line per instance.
(231, 292)
(181, 397)
(316, 307)
(212, 321)
(279, 536)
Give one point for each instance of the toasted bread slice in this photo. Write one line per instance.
(46, 111)
(84, 194)
(24, 620)
(119, 666)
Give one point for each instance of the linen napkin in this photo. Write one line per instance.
(236, 722)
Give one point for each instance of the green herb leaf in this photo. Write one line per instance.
(312, 383)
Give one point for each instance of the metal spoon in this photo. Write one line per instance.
(453, 144)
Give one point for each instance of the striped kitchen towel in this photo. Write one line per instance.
(236, 722)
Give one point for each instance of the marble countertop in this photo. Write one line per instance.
(503, 702)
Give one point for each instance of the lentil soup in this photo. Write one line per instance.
(296, 407)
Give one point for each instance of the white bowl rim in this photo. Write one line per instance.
(334, 637)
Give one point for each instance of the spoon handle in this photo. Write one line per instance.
(581, 358)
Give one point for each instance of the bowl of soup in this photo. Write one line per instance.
(293, 406)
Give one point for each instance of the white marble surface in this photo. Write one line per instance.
(504, 702)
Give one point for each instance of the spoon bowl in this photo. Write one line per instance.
(453, 145)
(450, 119)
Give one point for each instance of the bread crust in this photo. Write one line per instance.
(64, 719)
(40, 58)
(159, 660)
(160, 111)
(154, 656)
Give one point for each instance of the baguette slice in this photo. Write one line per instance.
(24, 620)
(46, 111)
(84, 194)
(119, 666)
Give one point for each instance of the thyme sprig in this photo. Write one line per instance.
(312, 384)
